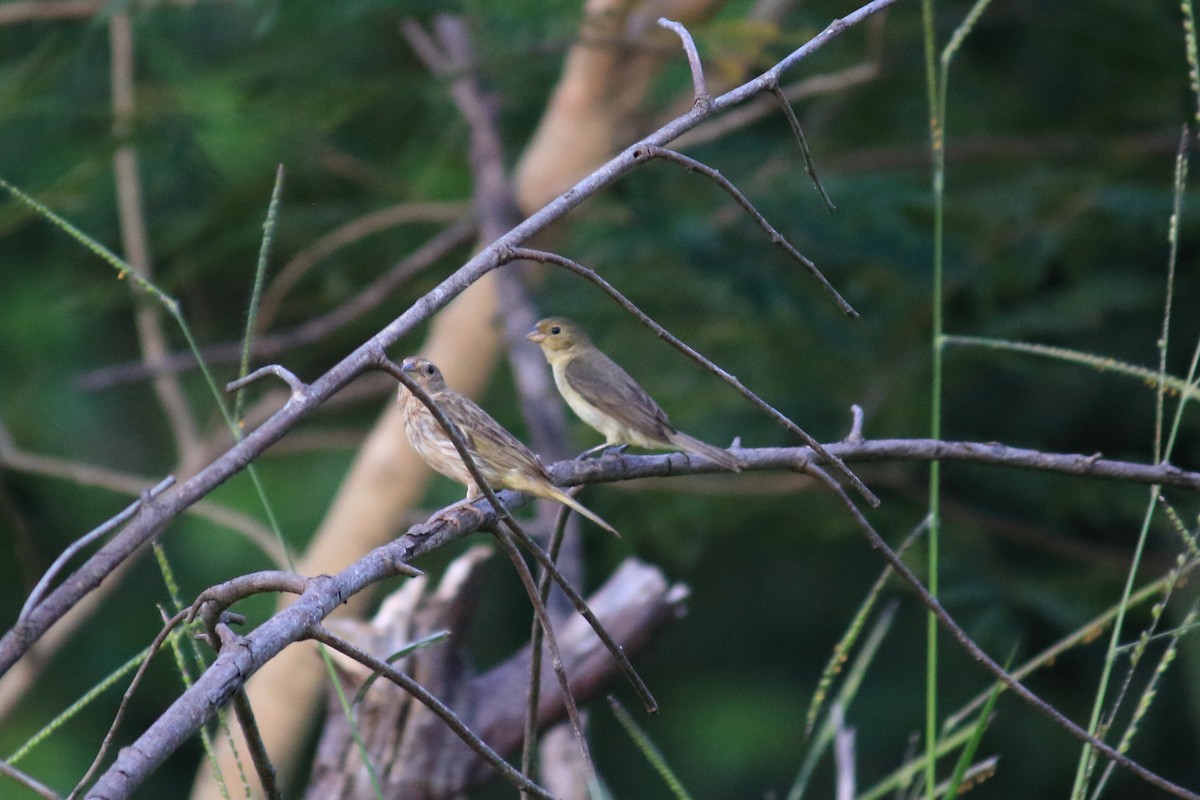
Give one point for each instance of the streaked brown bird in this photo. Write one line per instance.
(605, 397)
(502, 459)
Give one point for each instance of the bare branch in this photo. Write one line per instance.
(628, 467)
(777, 238)
(702, 99)
(30, 783)
(297, 386)
(325, 593)
(798, 132)
(365, 357)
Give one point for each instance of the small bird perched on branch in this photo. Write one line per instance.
(605, 397)
(502, 459)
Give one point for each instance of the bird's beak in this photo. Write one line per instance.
(536, 336)
(408, 366)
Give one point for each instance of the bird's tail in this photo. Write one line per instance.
(575, 505)
(715, 454)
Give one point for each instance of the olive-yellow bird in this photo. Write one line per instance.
(502, 459)
(605, 397)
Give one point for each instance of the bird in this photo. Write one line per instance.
(605, 397)
(503, 460)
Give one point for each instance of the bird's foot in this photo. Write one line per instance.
(602, 450)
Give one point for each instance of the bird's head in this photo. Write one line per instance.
(424, 372)
(557, 335)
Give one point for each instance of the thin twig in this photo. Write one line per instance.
(324, 636)
(28, 781)
(702, 99)
(976, 652)
(631, 674)
(809, 166)
(760, 107)
(245, 716)
(539, 610)
(654, 151)
(168, 626)
(117, 521)
(529, 741)
(123, 483)
(678, 344)
(295, 384)
(215, 600)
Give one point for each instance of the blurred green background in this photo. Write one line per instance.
(1063, 123)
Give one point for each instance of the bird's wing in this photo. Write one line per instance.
(487, 439)
(603, 383)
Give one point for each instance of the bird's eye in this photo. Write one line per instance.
(430, 370)
(556, 330)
